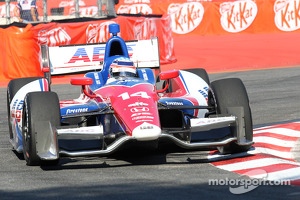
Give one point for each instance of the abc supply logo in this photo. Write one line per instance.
(287, 14)
(241, 186)
(185, 17)
(237, 16)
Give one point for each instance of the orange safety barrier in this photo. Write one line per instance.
(20, 53)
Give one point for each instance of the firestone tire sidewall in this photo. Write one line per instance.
(38, 106)
(231, 92)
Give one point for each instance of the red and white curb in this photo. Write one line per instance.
(272, 157)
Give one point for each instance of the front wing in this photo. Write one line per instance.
(201, 135)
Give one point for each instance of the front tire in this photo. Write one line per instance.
(38, 106)
(231, 92)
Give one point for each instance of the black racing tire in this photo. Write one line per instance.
(12, 88)
(38, 106)
(231, 92)
(201, 73)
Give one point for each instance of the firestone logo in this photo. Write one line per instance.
(287, 14)
(237, 16)
(185, 17)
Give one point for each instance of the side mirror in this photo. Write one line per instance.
(168, 74)
(82, 81)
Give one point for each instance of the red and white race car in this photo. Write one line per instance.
(124, 102)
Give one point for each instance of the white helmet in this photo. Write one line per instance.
(122, 67)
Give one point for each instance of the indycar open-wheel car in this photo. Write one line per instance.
(123, 102)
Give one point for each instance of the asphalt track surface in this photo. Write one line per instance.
(145, 174)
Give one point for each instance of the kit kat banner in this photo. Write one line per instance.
(207, 17)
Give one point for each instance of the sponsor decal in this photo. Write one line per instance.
(143, 127)
(76, 110)
(96, 76)
(85, 11)
(213, 120)
(82, 54)
(135, 7)
(145, 29)
(139, 114)
(204, 92)
(238, 15)
(185, 17)
(17, 114)
(81, 130)
(54, 37)
(98, 33)
(144, 118)
(16, 111)
(18, 104)
(145, 76)
(139, 109)
(287, 15)
(138, 104)
(174, 103)
(71, 3)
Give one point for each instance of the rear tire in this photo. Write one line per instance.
(38, 106)
(231, 92)
(12, 88)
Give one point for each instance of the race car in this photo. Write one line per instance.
(122, 103)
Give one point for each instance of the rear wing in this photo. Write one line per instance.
(70, 59)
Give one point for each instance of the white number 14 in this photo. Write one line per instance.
(125, 95)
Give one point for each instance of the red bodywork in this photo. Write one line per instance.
(133, 104)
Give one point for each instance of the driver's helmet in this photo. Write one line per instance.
(122, 67)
